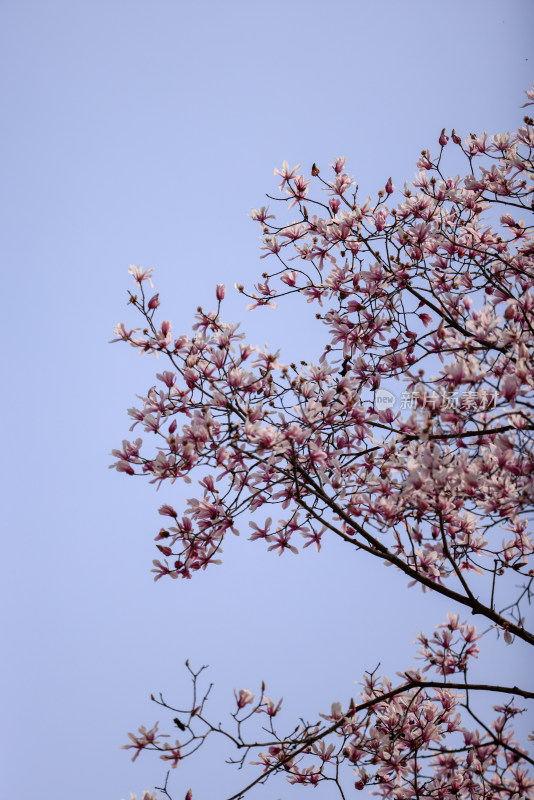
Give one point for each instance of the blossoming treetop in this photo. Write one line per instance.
(436, 276)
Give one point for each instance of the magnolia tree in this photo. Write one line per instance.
(437, 276)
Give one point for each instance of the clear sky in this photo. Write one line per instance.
(143, 132)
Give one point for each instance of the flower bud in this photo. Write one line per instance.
(220, 291)
(153, 303)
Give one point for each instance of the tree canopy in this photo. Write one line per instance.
(409, 438)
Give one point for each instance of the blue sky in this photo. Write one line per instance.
(143, 132)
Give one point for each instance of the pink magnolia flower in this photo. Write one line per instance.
(260, 533)
(271, 244)
(336, 713)
(122, 334)
(243, 698)
(298, 191)
(289, 277)
(145, 739)
(140, 275)
(286, 173)
(281, 543)
(173, 754)
(261, 214)
(338, 165)
(270, 708)
(167, 511)
(334, 204)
